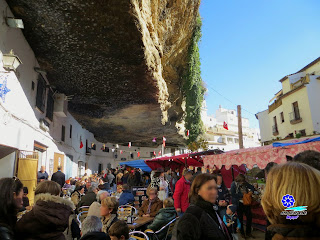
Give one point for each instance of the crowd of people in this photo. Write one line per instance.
(205, 208)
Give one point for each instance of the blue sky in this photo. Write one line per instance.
(247, 46)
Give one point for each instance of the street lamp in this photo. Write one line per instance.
(11, 61)
(15, 22)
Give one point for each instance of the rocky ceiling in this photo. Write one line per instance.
(121, 60)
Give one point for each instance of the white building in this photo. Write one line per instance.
(35, 126)
(294, 110)
(221, 138)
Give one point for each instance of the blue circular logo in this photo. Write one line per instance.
(288, 201)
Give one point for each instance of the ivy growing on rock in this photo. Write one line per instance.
(193, 87)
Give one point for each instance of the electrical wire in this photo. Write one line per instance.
(230, 100)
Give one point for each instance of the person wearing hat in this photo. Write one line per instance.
(232, 222)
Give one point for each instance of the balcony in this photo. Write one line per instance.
(295, 117)
(275, 131)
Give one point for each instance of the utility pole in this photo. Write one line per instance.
(162, 150)
(240, 127)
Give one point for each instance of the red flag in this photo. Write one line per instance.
(154, 153)
(159, 153)
(81, 144)
(121, 151)
(138, 154)
(225, 125)
(188, 132)
(129, 145)
(164, 141)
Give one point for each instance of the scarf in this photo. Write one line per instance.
(149, 206)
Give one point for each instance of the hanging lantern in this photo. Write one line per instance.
(11, 61)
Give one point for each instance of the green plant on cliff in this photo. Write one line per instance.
(201, 143)
(193, 87)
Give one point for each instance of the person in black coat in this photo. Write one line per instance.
(10, 202)
(90, 197)
(239, 187)
(59, 177)
(201, 220)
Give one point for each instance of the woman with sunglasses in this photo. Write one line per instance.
(11, 196)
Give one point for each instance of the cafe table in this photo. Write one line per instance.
(139, 222)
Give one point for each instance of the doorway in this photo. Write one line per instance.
(27, 171)
(58, 161)
(81, 169)
(100, 168)
(69, 163)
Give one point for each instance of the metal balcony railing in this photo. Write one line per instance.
(28, 154)
(295, 117)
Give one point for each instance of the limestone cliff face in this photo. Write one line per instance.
(123, 60)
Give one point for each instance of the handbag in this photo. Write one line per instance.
(247, 198)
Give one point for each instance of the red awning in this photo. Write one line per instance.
(260, 155)
(175, 161)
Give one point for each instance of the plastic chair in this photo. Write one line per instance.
(80, 217)
(83, 208)
(125, 211)
(134, 233)
(168, 228)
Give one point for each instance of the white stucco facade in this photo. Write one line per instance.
(295, 109)
(20, 119)
(220, 138)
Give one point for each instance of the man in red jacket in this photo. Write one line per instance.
(181, 192)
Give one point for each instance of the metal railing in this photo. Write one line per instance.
(28, 154)
(295, 116)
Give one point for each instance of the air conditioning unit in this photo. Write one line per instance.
(60, 105)
(44, 125)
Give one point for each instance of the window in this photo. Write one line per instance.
(303, 132)
(296, 110)
(93, 146)
(104, 148)
(70, 133)
(275, 126)
(63, 133)
(282, 117)
(151, 154)
(88, 149)
(41, 94)
(131, 155)
(50, 103)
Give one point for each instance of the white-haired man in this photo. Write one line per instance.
(94, 209)
(91, 229)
